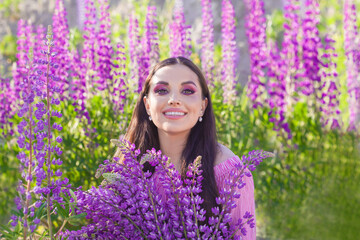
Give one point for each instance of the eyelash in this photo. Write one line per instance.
(188, 91)
(163, 91)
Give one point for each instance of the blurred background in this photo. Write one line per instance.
(284, 78)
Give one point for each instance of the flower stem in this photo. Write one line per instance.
(30, 142)
(225, 205)
(49, 37)
(176, 197)
(153, 204)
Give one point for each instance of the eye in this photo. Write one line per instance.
(188, 91)
(161, 91)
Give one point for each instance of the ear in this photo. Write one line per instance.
(146, 103)
(204, 104)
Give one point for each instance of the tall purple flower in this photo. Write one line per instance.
(77, 89)
(179, 33)
(25, 43)
(134, 38)
(40, 150)
(7, 106)
(104, 48)
(150, 41)
(61, 45)
(207, 41)
(310, 44)
(146, 56)
(329, 101)
(89, 52)
(84, 68)
(229, 51)
(149, 54)
(118, 92)
(134, 51)
(283, 70)
(352, 51)
(279, 90)
(256, 33)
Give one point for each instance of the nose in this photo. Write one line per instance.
(174, 100)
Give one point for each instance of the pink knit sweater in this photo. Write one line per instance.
(246, 201)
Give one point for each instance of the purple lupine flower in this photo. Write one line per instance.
(146, 56)
(283, 70)
(280, 95)
(134, 51)
(7, 106)
(179, 33)
(352, 51)
(25, 45)
(229, 51)
(41, 66)
(61, 46)
(104, 48)
(310, 44)
(134, 38)
(149, 54)
(89, 66)
(150, 41)
(207, 41)
(329, 101)
(78, 88)
(119, 74)
(84, 67)
(256, 34)
(35, 136)
(290, 45)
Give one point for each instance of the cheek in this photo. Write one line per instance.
(155, 105)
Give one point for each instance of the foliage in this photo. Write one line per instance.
(309, 189)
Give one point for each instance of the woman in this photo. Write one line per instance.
(174, 114)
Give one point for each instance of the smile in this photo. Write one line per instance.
(174, 113)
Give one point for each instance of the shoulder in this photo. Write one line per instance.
(223, 154)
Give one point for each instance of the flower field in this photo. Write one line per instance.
(71, 90)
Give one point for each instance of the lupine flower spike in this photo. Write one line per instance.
(256, 33)
(207, 41)
(229, 51)
(41, 150)
(180, 42)
(329, 101)
(352, 51)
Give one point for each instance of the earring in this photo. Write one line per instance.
(200, 119)
(150, 119)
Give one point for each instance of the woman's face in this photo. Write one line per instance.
(174, 100)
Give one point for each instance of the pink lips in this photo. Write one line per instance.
(174, 113)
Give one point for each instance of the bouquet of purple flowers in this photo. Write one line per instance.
(128, 204)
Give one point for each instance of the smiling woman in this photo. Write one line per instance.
(175, 102)
(174, 114)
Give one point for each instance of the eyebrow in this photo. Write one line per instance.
(183, 83)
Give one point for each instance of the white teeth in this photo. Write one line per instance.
(174, 113)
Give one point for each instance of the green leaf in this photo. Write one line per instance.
(76, 219)
(73, 195)
(62, 211)
(40, 210)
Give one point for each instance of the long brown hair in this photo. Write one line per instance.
(201, 141)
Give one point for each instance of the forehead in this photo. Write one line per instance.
(175, 74)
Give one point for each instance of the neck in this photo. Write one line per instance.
(172, 145)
